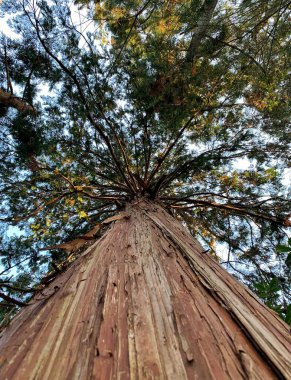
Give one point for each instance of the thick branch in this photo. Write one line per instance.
(14, 301)
(232, 208)
(9, 100)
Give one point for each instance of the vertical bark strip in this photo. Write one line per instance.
(145, 302)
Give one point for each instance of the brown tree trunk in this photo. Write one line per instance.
(145, 302)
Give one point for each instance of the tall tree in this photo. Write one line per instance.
(141, 112)
(145, 302)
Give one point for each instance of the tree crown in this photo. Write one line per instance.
(182, 102)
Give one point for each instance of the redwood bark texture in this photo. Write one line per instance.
(145, 302)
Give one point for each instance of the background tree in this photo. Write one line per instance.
(146, 98)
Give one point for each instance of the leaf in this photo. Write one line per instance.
(117, 13)
(274, 285)
(282, 248)
(161, 27)
(70, 202)
(260, 286)
(288, 315)
(288, 261)
(82, 214)
(35, 227)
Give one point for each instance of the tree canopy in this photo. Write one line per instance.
(184, 102)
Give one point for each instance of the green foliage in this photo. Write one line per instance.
(185, 102)
(285, 249)
(269, 292)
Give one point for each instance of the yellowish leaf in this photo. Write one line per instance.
(70, 202)
(82, 214)
(80, 199)
(161, 28)
(117, 13)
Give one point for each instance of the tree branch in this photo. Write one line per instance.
(9, 100)
(14, 301)
(232, 208)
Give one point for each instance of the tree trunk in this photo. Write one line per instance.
(145, 302)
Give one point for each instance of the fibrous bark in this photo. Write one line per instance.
(145, 302)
